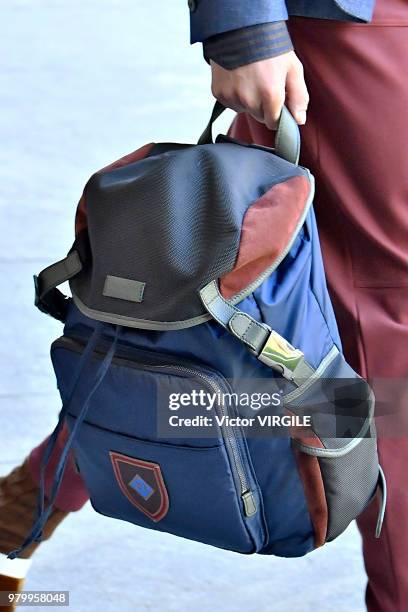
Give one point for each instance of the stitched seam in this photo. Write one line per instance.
(100, 315)
(329, 453)
(210, 301)
(138, 295)
(235, 331)
(219, 296)
(257, 326)
(231, 322)
(245, 339)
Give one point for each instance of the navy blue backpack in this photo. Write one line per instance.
(201, 373)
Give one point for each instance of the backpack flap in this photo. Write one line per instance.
(158, 225)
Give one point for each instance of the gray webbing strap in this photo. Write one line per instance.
(206, 136)
(47, 297)
(253, 334)
(287, 139)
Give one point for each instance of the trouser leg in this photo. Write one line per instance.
(357, 134)
(354, 142)
(72, 493)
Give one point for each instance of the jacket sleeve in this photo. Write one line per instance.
(211, 17)
(251, 44)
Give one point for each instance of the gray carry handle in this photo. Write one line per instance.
(287, 139)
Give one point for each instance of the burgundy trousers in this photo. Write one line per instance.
(355, 142)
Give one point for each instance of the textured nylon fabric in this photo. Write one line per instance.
(209, 345)
(173, 221)
(340, 404)
(350, 482)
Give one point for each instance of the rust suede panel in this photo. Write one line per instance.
(310, 474)
(80, 219)
(266, 230)
(303, 434)
(311, 477)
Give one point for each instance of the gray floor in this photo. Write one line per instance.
(83, 83)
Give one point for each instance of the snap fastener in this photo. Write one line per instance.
(192, 5)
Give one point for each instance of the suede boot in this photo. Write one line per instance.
(18, 507)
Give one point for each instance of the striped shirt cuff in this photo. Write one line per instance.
(246, 45)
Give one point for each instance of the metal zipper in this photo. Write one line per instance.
(228, 432)
(229, 436)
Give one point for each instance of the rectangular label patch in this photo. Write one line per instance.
(123, 288)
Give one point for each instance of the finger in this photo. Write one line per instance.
(297, 97)
(272, 102)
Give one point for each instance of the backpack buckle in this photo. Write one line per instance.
(280, 355)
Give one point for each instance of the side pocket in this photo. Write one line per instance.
(349, 482)
(337, 457)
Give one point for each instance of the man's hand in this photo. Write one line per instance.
(261, 88)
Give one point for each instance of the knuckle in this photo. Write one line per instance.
(274, 97)
(245, 101)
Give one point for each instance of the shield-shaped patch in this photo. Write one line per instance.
(142, 483)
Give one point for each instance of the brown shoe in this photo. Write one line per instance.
(18, 508)
(12, 576)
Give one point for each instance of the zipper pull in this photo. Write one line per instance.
(249, 503)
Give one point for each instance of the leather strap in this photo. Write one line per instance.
(287, 139)
(48, 298)
(253, 334)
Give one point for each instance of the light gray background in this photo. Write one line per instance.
(83, 83)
